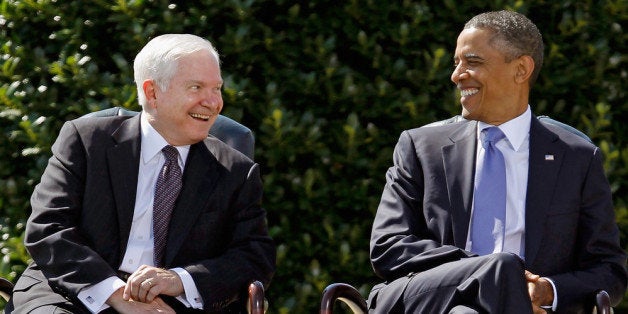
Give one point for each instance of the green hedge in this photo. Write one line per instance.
(327, 86)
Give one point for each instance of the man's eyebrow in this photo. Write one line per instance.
(201, 82)
(469, 55)
(472, 56)
(193, 82)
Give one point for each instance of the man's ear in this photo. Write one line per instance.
(525, 67)
(149, 90)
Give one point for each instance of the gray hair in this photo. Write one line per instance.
(158, 60)
(514, 35)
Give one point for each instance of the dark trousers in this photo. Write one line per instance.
(178, 307)
(487, 284)
(69, 308)
(33, 294)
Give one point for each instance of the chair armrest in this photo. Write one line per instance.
(345, 293)
(6, 288)
(256, 303)
(603, 302)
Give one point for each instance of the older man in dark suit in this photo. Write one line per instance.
(499, 213)
(148, 213)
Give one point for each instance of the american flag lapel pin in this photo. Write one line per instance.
(549, 157)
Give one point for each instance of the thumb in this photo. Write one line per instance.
(531, 277)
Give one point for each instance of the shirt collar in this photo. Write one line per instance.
(516, 130)
(153, 143)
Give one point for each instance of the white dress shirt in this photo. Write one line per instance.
(140, 244)
(516, 150)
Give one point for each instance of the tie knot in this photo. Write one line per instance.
(491, 135)
(170, 153)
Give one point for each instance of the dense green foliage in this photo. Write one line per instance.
(327, 86)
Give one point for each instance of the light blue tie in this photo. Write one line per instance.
(489, 199)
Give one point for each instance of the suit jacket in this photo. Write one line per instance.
(83, 207)
(570, 236)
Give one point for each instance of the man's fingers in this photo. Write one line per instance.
(531, 277)
(152, 288)
(145, 288)
(138, 285)
(129, 292)
(137, 288)
(148, 282)
(532, 292)
(538, 310)
(126, 293)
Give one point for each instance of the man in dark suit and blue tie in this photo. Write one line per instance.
(543, 238)
(148, 214)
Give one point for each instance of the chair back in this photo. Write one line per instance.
(225, 129)
(542, 119)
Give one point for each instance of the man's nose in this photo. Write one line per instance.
(213, 99)
(458, 74)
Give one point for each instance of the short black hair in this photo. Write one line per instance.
(514, 34)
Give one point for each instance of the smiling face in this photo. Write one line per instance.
(186, 110)
(491, 89)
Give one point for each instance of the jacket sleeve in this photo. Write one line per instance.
(401, 241)
(600, 262)
(53, 237)
(249, 252)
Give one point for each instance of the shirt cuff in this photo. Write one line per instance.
(555, 302)
(95, 296)
(191, 297)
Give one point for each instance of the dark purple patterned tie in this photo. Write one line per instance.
(166, 193)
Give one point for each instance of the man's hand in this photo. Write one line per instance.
(131, 306)
(540, 291)
(147, 282)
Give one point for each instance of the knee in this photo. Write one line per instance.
(507, 258)
(508, 263)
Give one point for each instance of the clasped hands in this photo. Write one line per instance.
(142, 290)
(540, 291)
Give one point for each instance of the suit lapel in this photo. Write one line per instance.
(200, 176)
(124, 174)
(459, 163)
(545, 161)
